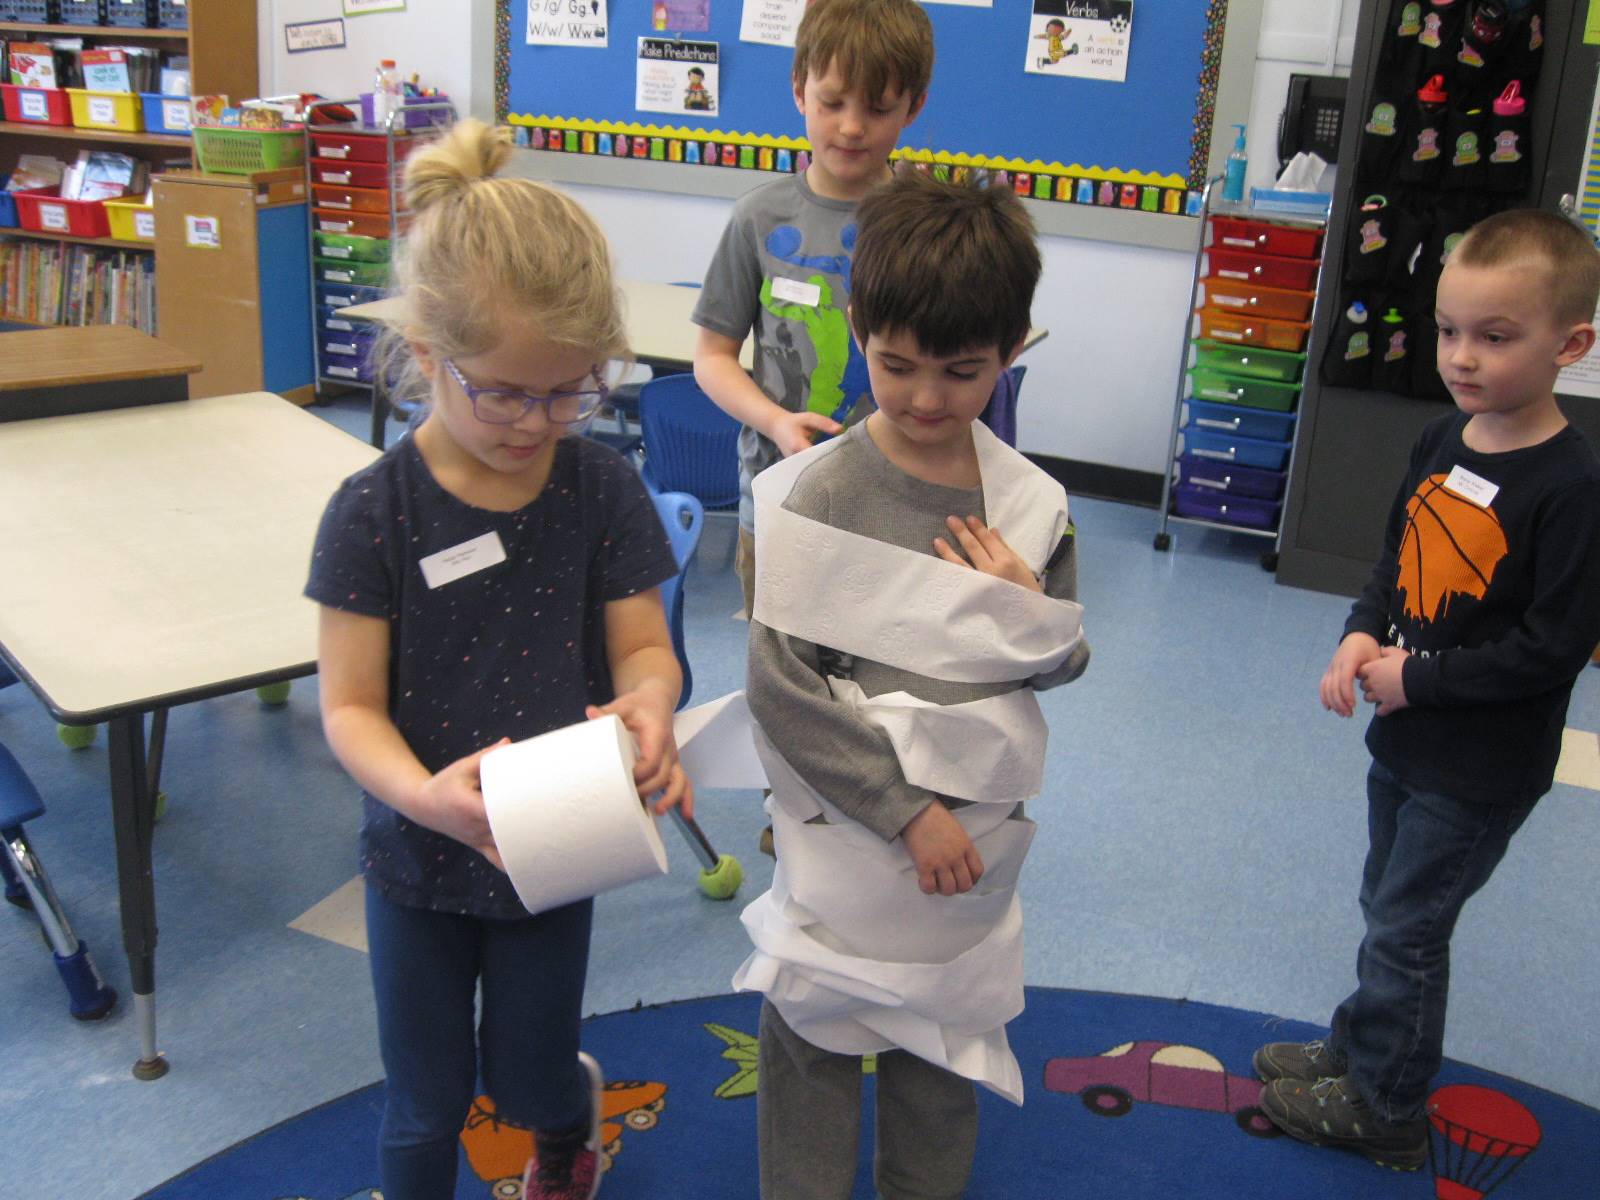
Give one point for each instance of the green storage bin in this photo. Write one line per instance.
(1217, 388)
(244, 151)
(367, 274)
(352, 247)
(1248, 360)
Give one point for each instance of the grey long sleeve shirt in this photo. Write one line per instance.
(827, 742)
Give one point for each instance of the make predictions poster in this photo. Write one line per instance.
(1083, 39)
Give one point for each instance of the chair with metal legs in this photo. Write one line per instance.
(27, 886)
(682, 516)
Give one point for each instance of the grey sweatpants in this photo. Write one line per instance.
(809, 1122)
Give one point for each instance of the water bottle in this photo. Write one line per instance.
(385, 93)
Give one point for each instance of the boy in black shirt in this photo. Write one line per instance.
(1479, 616)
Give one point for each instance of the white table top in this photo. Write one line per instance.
(658, 318)
(156, 552)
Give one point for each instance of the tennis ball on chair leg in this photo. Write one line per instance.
(722, 881)
(76, 737)
(273, 694)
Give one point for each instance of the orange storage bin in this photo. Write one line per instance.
(1233, 295)
(1252, 330)
(351, 199)
(336, 220)
(1290, 241)
(1266, 269)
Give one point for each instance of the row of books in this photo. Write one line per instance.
(49, 283)
(66, 62)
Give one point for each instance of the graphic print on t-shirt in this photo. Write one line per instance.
(839, 381)
(1450, 549)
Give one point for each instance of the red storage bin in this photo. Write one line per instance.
(1290, 241)
(350, 174)
(45, 212)
(36, 106)
(356, 147)
(350, 199)
(1265, 269)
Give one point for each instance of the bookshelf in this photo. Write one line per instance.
(221, 45)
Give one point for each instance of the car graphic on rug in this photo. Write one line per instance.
(1159, 1073)
(498, 1149)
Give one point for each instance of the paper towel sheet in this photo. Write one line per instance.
(566, 815)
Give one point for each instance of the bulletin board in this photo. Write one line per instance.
(1142, 148)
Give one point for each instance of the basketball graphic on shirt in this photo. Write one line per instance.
(1450, 549)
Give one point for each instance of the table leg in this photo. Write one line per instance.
(133, 819)
(380, 412)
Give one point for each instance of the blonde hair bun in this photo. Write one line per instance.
(446, 168)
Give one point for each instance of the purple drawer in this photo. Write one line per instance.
(1207, 504)
(1230, 479)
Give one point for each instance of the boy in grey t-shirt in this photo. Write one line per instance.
(782, 269)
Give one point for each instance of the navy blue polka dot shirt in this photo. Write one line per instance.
(513, 650)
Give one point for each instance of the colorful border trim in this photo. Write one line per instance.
(1205, 104)
(1113, 187)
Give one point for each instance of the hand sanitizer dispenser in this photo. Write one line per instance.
(1233, 178)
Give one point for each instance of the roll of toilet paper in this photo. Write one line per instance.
(566, 815)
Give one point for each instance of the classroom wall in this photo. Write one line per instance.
(450, 43)
(1100, 388)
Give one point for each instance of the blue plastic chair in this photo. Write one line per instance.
(1000, 415)
(683, 517)
(690, 445)
(27, 886)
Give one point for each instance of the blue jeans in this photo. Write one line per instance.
(426, 967)
(1427, 854)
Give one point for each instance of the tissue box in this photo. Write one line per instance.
(1309, 204)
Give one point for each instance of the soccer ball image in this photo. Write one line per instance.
(1119, 24)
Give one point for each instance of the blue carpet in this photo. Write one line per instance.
(1168, 1116)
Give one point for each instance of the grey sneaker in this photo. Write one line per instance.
(1310, 1061)
(1329, 1113)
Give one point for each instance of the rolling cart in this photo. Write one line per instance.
(1231, 447)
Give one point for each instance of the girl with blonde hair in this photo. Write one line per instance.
(488, 578)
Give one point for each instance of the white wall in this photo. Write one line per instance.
(1100, 388)
(443, 41)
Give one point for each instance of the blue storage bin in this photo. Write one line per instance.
(130, 14)
(8, 208)
(82, 12)
(1230, 478)
(1231, 448)
(1205, 504)
(166, 114)
(172, 14)
(343, 295)
(1232, 419)
(329, 321)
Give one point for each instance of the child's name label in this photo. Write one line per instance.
(808, 294)
(1468, 486)
(447, 566)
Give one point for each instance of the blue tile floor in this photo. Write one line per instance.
(1201, 836)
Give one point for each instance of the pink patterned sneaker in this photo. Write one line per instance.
(567, 1166)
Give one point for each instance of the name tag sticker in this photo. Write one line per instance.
(808, 294)
(1476, 488)
(468, 558)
